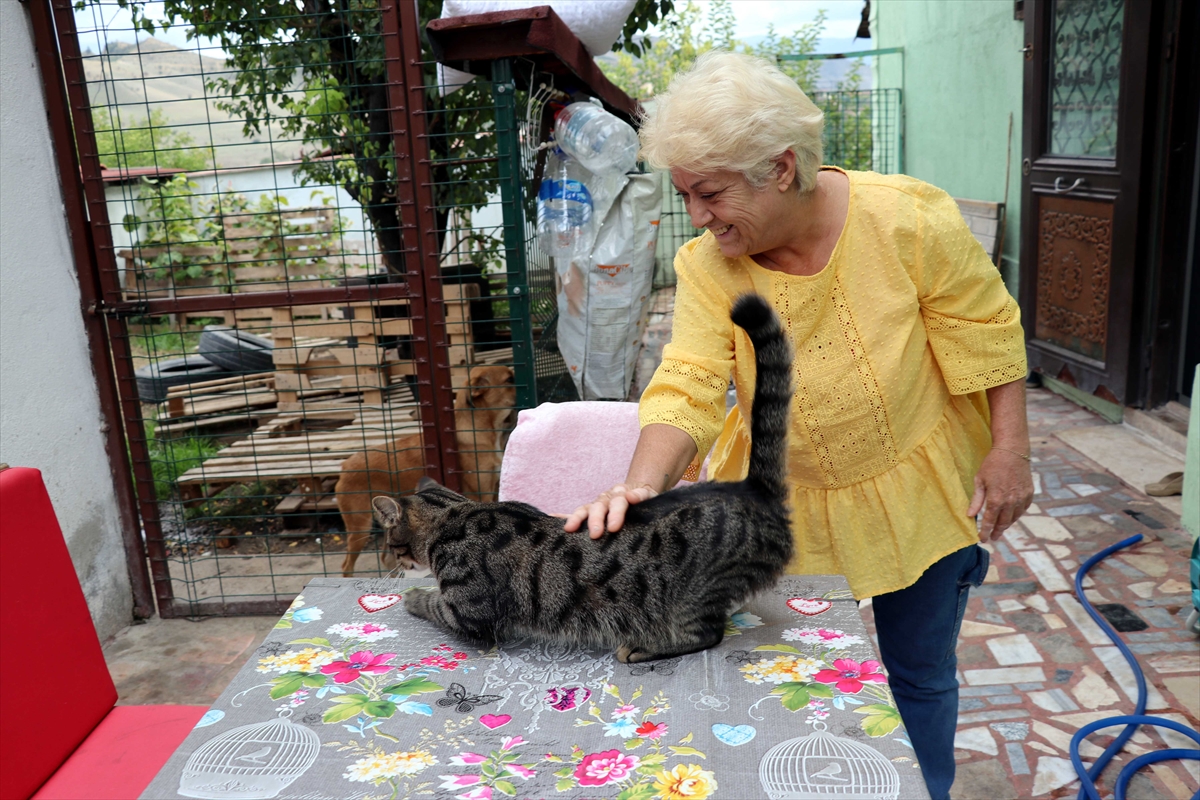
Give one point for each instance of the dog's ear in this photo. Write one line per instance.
(387, 511)
(489, 378)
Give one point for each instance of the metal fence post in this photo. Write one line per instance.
(520, 309)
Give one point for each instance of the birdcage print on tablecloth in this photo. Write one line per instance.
(252, 762)
(822, 765)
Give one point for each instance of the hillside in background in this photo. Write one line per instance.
(132, 79)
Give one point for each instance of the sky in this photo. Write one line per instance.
(752, 17)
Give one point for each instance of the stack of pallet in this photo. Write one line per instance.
(255, 255)
(306, 446)
(358, 346)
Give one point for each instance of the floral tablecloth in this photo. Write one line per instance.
(351, 697)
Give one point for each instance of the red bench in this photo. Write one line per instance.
(61, 733)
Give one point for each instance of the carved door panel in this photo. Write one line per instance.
(1084, 99)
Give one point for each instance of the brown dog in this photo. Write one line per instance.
(482, 419)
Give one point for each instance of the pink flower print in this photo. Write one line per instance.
(652, 730)
(520, 771)
(623, 712)
(511, 742)
(848, 675)
(458, 781)
(610, 766)
(362, 661)
(441, 662)
(465, 760)
(460, 656)
(478, 793)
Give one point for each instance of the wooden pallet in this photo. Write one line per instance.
(253, 259)
(359, 361)
(283, 448)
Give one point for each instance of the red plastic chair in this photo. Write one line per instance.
(61, 734)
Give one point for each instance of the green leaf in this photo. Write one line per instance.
(819, 689)
(651, 759)
(506, 787)
(565, 772)
(285, 622)
(413, 686)
(565, 784)
(359, 699)
(687, 751)
(317, 640)
(639, 791)
(778, 648)
(795, 695)
(379, 708)
(634, 743)
(313, 681)
(880, 719)
(287, 684)
(339, 713)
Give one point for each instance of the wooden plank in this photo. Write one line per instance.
(254, 378)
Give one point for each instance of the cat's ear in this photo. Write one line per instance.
(426, 483)
(387, 511)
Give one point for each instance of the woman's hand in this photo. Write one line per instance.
(1003, 490)
(607, 512)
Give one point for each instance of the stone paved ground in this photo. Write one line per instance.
(1033, 668)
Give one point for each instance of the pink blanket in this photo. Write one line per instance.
(562, 455)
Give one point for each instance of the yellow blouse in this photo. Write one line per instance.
(895, 341)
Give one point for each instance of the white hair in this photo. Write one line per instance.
(734, 112)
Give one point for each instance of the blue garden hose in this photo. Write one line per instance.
(1087, 788)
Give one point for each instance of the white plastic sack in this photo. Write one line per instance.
(597, 24)
(603, 297)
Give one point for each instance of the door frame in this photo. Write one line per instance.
(1115, 377)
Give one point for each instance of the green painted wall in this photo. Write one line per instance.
(962, 75)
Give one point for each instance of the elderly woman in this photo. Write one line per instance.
(909, 413)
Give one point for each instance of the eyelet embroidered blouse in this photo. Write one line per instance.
(895, 341)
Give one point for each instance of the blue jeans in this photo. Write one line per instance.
(918, 631)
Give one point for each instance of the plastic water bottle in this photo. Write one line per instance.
(564, 207)
(600, 141)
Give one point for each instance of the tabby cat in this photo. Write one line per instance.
(662, 586)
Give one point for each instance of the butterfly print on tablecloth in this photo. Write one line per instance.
(665, 666)
(463, 702)
(740, 657)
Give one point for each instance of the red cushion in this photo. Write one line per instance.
(123, 754)
(46, 631)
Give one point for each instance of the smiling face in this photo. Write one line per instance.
(744, 220)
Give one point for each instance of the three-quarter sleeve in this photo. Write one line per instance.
(973, 323)
(688, 388)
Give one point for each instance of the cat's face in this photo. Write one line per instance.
(411, 522)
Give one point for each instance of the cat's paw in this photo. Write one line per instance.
(419, 602)
(632, 655)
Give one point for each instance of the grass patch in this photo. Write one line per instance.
(170, 458)
(161, 340)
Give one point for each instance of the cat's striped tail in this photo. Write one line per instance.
(772, 393)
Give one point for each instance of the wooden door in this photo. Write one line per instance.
(1085, 100)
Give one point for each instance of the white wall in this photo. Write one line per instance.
(49, 405)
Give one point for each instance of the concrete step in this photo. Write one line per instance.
(1162, 425)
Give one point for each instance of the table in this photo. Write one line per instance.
(351, 697)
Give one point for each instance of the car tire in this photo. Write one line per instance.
(235, 350)
(155, 379)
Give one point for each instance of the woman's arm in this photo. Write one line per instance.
(662, 455)
(1004, 484)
